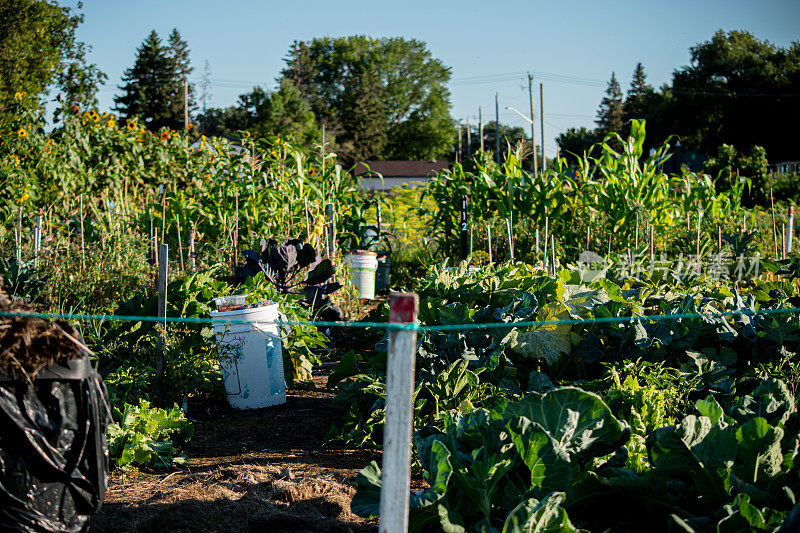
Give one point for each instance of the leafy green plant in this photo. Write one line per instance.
(148, 436)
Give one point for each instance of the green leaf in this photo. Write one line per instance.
(579, 421)
(759, 456)
(366, 502)
(547, 460)
(770, 400)
(546, 516)
(709, 408)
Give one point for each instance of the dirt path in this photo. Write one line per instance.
(251, 471)
(262, 470)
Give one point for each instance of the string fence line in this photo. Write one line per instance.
(410, 326)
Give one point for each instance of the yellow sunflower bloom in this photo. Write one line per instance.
(22, 133)
(164, 135)
(131, 126)
(189, 126)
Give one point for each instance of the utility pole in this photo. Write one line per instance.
(541, 118)
(458, 154)
(533, 128)
(497, 127)
(469, 141)
(186, 108)
(480, 125)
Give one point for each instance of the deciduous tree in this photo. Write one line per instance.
(379, 97)
(38, 51)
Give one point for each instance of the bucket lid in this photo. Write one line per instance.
(364, 252)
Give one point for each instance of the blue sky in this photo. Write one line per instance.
(571, 46)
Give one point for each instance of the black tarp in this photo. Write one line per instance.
(53, 453)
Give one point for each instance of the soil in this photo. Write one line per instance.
(249, 471)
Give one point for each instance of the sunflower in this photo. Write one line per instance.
(191, 148)
(18, 96)
(131, 126)
(22, 133)
(189, 126)
(164, 135)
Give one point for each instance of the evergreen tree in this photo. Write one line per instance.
(205, 86)
(639, 94)
(153, 87)
(179, 55)
(610, 116)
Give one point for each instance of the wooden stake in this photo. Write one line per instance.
(699, 216)
(609, 244)
(510, 241)
(636, 239)
(37, 239)
(546, 234)
(18, 235)
(180, 246)
(774, 229)
(235, 234)
(83, 247)
(588, 236)
(162, 313)
(308, 221)
(489, 238)
(783, 241)
(553, 251)
(164, 216)
(537, 243)
(719, 238)
(192, 254)
(396, 467)
(331, 229)
(652, 235)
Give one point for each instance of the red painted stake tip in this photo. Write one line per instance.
(403, 307)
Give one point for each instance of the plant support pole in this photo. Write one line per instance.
(83, 246)
(395, 489)
(192, 261)
(180, 246)
(161, 328)
(546, 231)
(464, 228)
(489, 238)
(18, 235)
(789, 229)
(510, 241)
(37, 239)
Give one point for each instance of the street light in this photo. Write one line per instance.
(518, 112)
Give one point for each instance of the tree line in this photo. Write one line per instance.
(388, 98)
(737, 91)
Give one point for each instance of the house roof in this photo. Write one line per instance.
(401, 169)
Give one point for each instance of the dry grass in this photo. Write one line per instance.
(238, 498)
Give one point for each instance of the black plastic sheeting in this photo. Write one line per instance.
(53, 454)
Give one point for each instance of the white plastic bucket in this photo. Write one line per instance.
(363, 265)
(250, 356)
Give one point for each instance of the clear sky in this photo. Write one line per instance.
(571, 46)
